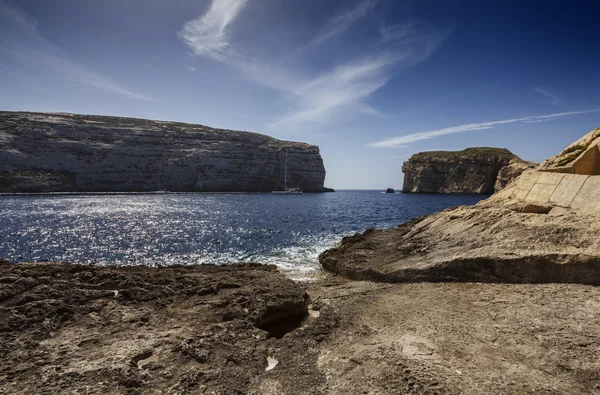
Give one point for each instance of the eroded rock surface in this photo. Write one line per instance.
(510, 172)
(473, 170)
(582, 157)
(200, 329)
(67, 152)
(518, 244)
(74, 329)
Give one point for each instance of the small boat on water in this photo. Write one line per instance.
(286, 190)
(160, 188)
(289, 191)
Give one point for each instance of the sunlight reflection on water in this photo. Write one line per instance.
(165, 229)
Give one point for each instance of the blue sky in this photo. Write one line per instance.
(369, 81)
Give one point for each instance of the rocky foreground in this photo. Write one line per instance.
(246, 329)
(51, 152)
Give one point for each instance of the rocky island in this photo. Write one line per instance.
(42, 152)
(473, 170)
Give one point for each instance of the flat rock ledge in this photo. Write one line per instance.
(522, 243)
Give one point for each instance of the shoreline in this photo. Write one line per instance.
(137, 193)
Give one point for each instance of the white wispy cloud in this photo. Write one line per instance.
(344, 85)
(342, 22)
(402, 141)
(400, 31)
(311, 96)
(209, 34)
(21, 42)
(551, 97)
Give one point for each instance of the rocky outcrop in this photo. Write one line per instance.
(478, 243)
(541, 228)
(473, 170)
(582, 157)
(66, 152)
(510, 172)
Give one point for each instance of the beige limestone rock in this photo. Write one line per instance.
(483, 243)
(510, 172)
(567, 190)
(581, 157)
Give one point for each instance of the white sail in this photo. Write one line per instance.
(286, 190)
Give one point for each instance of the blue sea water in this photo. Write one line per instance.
(186, 228)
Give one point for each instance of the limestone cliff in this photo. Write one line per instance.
(66, 152)
(510, 172)
(473, 170)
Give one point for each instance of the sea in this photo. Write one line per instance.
(195, 228)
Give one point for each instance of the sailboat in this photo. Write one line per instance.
(160, 189)
(286, 190)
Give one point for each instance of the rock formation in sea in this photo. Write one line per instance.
(41, 152)
(473, 170)
(543, 227)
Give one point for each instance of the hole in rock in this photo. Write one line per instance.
(279, 321)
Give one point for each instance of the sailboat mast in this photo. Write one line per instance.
(285, 171)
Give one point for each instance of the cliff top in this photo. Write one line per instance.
(130, 124)
(473, 152)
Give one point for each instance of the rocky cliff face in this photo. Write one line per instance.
(66, 152)
(510, 172)
(473, 170)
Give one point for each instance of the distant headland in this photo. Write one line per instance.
(58, 152)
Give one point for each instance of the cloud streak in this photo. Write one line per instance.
(21, 42)
(342, 22)
(311, 96)
(403, 141)
(552, 98)
(344, 85)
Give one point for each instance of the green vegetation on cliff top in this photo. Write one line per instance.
(474, 152)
